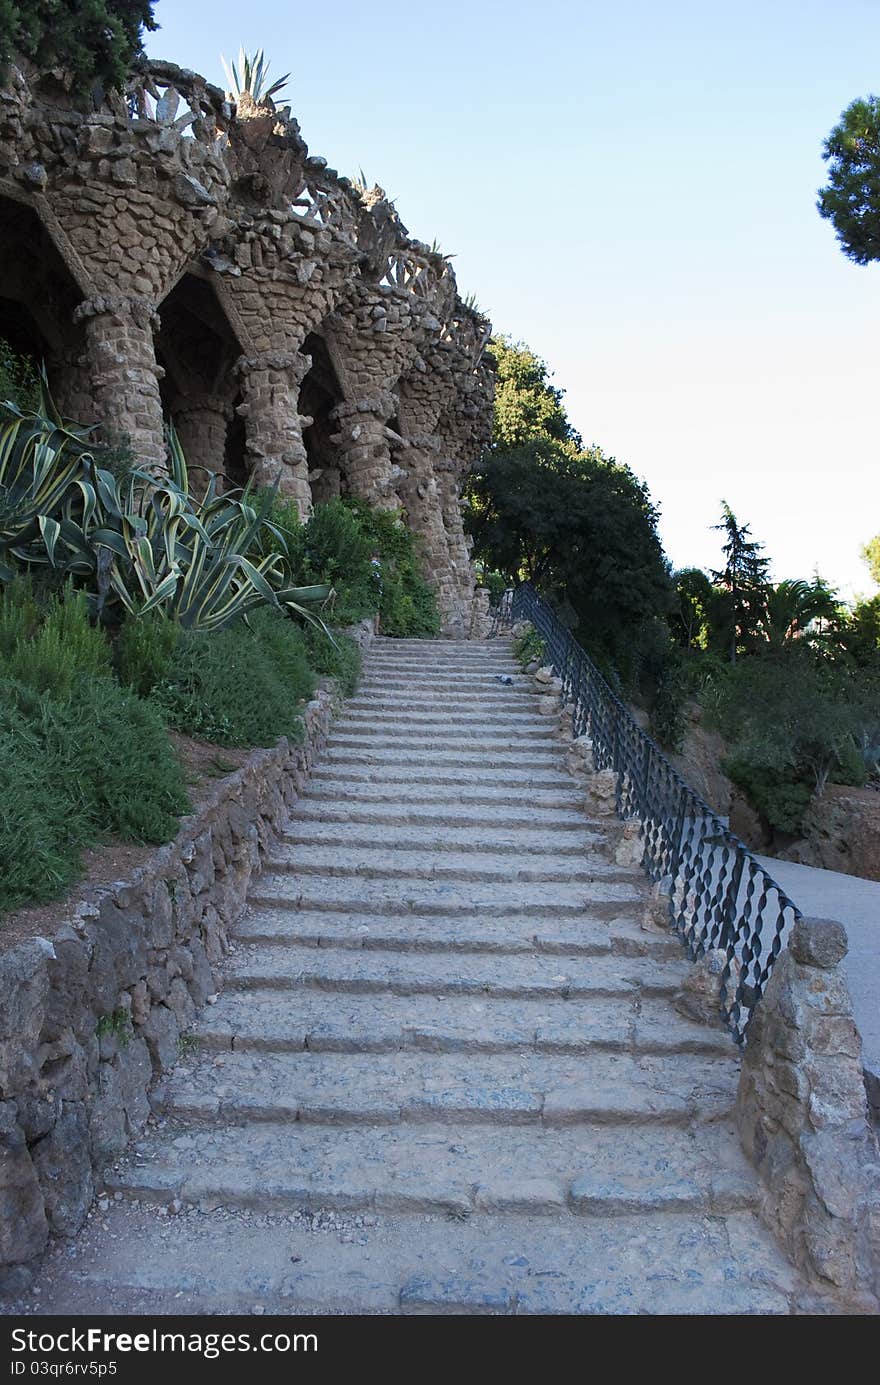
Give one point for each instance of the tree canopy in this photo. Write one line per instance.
(871, 555)
(526, 404)
(576, 523)
(93, 40)
(851, 201)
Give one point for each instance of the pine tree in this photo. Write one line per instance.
(851, 201)
(93, 40)
(745, 576)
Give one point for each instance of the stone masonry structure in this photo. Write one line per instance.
(171, 254)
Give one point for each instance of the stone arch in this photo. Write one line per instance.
(38, 296)
(321, 393)
(196, 349)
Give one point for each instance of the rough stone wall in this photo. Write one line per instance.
(91, 1017)
(170, 182)
(802, 1115)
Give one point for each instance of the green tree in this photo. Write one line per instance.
(851, 201)
(93, 40)
(871, 555)
(527, 406)
(744, 577)
(790, 608)
(581, 527)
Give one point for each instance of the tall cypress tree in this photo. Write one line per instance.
(93, 40)
(745, 575)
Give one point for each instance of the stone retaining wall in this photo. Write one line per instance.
(91, 1018)
(803, 1118)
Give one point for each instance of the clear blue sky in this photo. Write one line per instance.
(630, 188)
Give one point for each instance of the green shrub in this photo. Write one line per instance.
(144, 651)
(73, 768)
(337, 657)
(65, 647)
(407, 606)
(19, 378)
(242, 685)
(529, 647)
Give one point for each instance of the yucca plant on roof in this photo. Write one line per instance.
(250, 77)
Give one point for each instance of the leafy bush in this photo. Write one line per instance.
(72, 768)
(407, 606)
(792, 722)
(144, 651)
(528, 647)
(242, 685)
(19, 378)
(335, 657)
(65, 647)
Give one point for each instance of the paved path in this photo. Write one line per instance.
(443, 1074)
(856, 904)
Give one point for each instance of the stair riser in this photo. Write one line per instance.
(224, 1041)
(412, 987)
(306, 1197)
(533, 875)
(348, 840)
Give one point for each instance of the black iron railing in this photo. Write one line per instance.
(720, 896)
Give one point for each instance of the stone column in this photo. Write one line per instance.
(202, 421)
(471, 606)
(802, 1115)
(276, 453)
(363, 442)
(420, 496)
(121, 360)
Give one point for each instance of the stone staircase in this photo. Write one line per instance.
(443, 1073)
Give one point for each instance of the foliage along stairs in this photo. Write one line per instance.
(444, 1073)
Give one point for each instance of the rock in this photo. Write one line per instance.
(656, 915)
(24, 1229)
(602, 792)
(818, 942)
(544, 675)
(699, 996)
(64, 1170)
(548, 706)
(630, 847)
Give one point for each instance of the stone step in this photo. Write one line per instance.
(266, 1021)
(336, 787)
(398, 863)
(461, 1169)
(459, 671)
(407, 933)
(519, 779)
(470, 839)
(387, 1088)
(442, 814)
(409, 896)
(443, 726)
(665, 1263)
(362, 971)
(491, 695)
(403, 756)
(419, 684)
(533, 748)
(506, 702)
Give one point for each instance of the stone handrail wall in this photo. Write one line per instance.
(803, 1118)
(190, 246)
(91, 1017)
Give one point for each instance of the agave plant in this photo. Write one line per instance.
(140, 541)
(195, 561)
(250, 77)
(42, 459)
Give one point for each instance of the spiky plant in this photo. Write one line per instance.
(250, 77)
